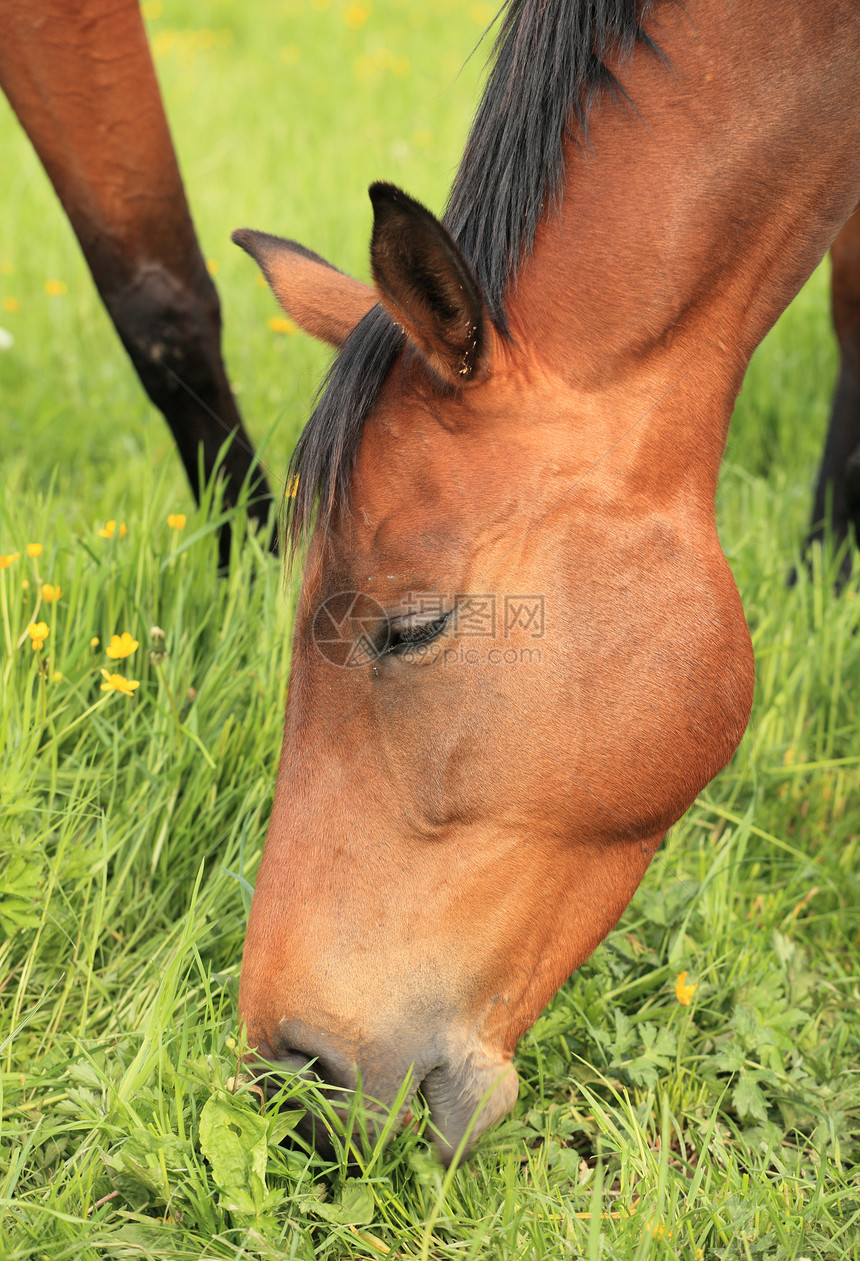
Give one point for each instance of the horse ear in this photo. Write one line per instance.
(322, 300)
(427, 285)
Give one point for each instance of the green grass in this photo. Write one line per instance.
(131, 826)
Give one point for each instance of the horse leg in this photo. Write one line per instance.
(79, 75)
(837, 494)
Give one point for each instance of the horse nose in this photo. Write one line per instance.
(289, 1052)
(287, 1055)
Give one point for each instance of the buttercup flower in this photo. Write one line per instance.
(110, 529)
(355, 16)
(6, 561)
(176, 520)
(38, 632)
(94, 642)
(280, 324)
(684, 992)
(121, 646)
(116, 683)
(56, 288)
(34, 550)
(50, 593)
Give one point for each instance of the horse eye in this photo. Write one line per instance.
(406, 635)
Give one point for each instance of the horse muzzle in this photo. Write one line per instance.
(466, 1093)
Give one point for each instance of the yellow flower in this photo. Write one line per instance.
(94, 642)
(109, 530)
(50, 593)
(6, 561)
(658, 1230)
(116, 683)
(278, 324)
(38, 632)
(56, 288)
(683, 991)
(176, 520)
(11, 305)
(121, 646)
(356, 16)
(56, 676)
(212, 266)
(34, 549)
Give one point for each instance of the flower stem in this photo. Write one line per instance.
(173, 709)
(95, 705)
(5, 603)
(43, 685)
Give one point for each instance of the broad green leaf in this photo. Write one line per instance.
(748, 1097)
(354, 1207)
(357, 1201)
(233, 1140)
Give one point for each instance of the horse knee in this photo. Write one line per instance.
(170, 329)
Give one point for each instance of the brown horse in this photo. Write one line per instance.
(79, 75)
(522, 433)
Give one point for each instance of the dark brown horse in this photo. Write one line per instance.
(522, 434)
(79, 75)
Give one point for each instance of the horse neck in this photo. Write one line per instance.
(693, 216)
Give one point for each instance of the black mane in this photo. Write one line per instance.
(550, 67)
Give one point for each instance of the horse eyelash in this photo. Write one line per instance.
(419, 636)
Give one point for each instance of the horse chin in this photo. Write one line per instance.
(466, 1099)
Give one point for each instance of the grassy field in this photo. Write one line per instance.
(131, 825)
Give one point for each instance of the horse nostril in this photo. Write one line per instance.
(274, 1068)
(292, 1060)
(272, 1073)
(310, 1052)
